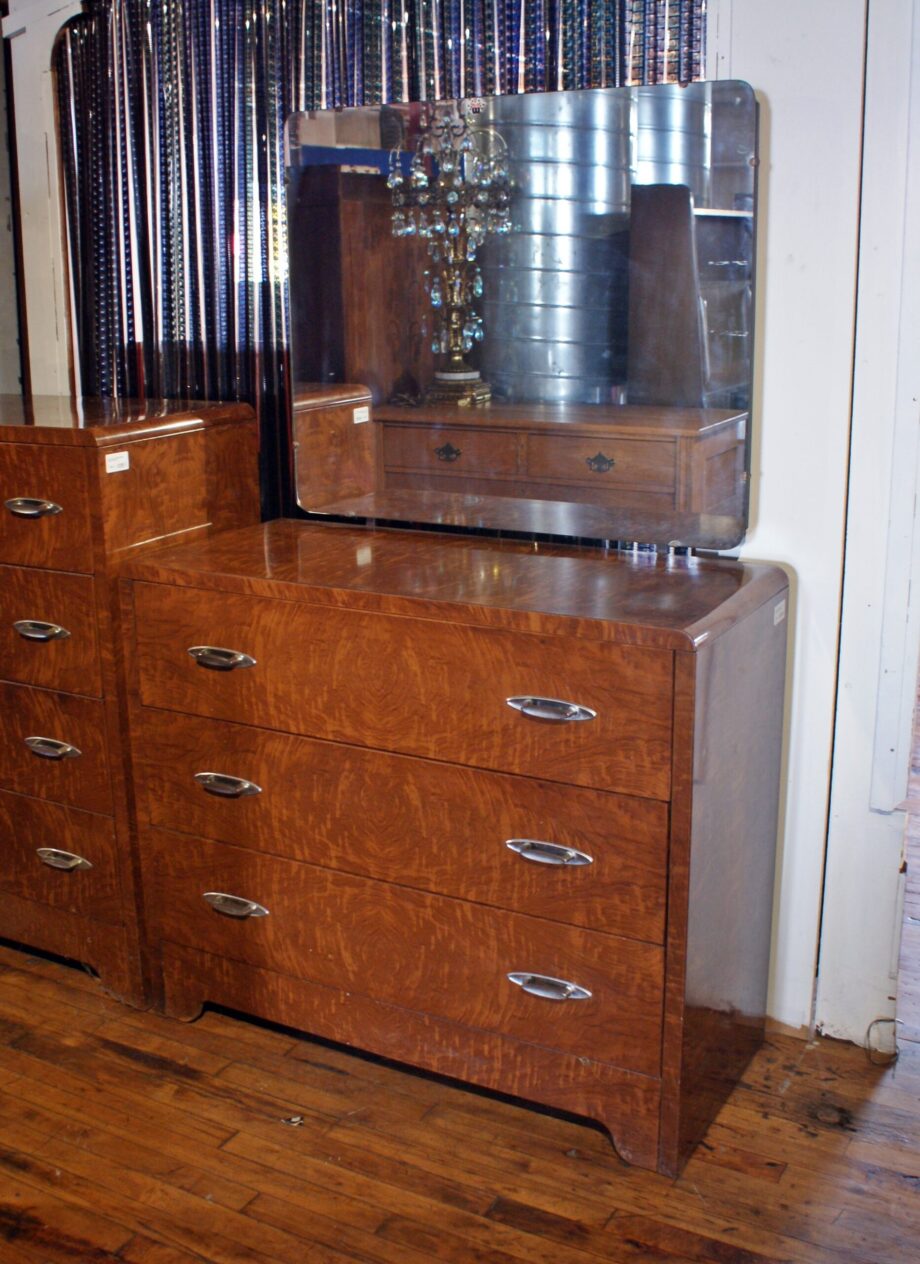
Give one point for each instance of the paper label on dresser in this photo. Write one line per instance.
(361, 414)
(115, 462)
(779, 612)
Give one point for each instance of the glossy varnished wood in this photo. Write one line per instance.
(408, 821)
(27, 824)
(129, 1135)
(636, 421)
(659, 602)
(70, 662)
(60, 541)
(82, 781)
(334, 451)
(432, 689)
(127, 474)
(429, 954)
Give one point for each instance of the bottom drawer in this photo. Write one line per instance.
(40, 844)
(427, 953)
(627, 1105)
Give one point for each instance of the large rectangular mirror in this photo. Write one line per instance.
(527, 313)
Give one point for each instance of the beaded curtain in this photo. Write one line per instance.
(172, 133)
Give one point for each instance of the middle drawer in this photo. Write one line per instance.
(48, 630)
(578, 856)
(53, 746)
(419, 686)
(423, 952)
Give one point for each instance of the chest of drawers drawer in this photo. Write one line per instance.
(422, 952)
(437, 690)
(44, 507)
(559, 852)
(48, 630)
(648, 465)
(59, 857)
(53, 746)
(445, 450)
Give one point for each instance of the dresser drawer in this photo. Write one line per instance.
(44, 514)
(635, 463)
(421, 952)
(48, 630)
(420, 823)
(443, 450)
(80, 780)
(60, 857)
(438, 690)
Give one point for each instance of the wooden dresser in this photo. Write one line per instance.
(84, 484)
(505, 812)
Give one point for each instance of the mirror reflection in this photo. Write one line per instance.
(527, 313)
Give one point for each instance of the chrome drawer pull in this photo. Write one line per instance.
(30, 507)
(548, 853)
(36, 630)
(549, 989)
(51, 748)
(64, 860)
(217, 659)
(218, 783)
(234, 905)
(552, 709)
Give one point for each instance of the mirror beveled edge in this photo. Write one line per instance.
(625, 418)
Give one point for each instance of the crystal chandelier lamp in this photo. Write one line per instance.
(455, 192)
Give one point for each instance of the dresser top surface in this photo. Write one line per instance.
(640, 421)
(664, 602)
(62, 420)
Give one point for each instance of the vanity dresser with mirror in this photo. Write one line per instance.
(472, 762)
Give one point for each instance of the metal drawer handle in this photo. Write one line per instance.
(447, 452)
(548, 853)
(224, 787)
(548, 988)
(51, 748)
(599, 463)
(217, 659)
(66, 861)
(553, 709)
(36, 630)
(234, 905)
(30, 507)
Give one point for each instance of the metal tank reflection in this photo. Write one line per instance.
(555, 299)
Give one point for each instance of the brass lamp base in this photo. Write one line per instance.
(466, 389)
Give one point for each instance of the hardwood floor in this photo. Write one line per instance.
(129, 1137)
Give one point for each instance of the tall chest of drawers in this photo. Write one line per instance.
(503, 812)
(83, 485)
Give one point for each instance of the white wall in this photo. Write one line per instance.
(806, 63)
(861, 931)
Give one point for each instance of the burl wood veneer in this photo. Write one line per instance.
(83, 485)
(324, 825)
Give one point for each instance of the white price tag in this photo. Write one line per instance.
(361, 414)
(115, 462)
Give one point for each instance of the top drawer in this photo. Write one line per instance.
(426, 688)
(44, 507)
(449, 451)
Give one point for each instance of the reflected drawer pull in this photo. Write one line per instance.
(36, 630)
(218, 783)
(548, 853)
(217, 659)
(550, 989)
(552, 709)
(447, 452)
(30, 507)
(51, 748)
(64, 860)
(234, 905)
(599, 463)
